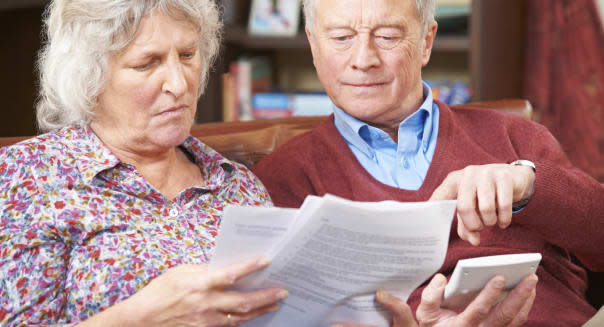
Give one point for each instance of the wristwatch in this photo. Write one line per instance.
(522, 162)
(517, 206)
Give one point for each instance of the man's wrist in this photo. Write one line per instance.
(529, 190)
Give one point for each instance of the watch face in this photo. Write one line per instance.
(523, 162)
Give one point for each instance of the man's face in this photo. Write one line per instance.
(369, 54)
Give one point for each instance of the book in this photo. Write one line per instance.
(274, 17)
(279, 104)
(333, 254)
(230, 94)
(269, 105)
(253, 75)
(229, 112)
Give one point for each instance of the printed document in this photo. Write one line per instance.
(333, 254)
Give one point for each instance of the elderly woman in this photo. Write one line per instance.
(109, 217)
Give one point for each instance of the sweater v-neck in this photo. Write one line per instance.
(434, 175)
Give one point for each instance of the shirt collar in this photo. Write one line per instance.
(93, 157)
(352, 128)
(215, 169)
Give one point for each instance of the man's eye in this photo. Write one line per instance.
(342, 42)
(342, 38)
(386, 41)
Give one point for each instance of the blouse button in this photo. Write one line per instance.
(173, 212)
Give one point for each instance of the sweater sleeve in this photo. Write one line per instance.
(567, 207)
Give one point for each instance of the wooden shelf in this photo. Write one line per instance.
(238, 35)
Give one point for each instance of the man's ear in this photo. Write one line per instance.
(428, 42)
(311, 41)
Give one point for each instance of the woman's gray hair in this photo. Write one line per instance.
(425, 8)
(82, 34)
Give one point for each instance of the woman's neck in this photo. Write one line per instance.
(169, 170)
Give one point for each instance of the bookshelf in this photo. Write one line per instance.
(490, 56)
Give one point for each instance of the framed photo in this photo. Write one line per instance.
(274, 17)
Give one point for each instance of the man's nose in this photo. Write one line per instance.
(175, 81)
(365, 54)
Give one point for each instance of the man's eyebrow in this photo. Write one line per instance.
(336, 26)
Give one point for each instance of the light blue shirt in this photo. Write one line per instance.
(403, 165)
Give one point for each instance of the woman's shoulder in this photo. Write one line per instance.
(42, 150)
(35, 146)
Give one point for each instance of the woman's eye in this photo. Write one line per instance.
(143, 67)
(187, 55)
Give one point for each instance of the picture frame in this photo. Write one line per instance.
(274, 17)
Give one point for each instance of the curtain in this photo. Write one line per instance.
(564, 77)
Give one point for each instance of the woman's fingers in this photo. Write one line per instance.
(227, 276)
(243, 303)
(236, 319)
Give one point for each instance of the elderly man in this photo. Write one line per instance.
(389, 140)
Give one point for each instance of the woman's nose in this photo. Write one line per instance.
(175, 81)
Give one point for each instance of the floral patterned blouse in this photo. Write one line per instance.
(80, 230)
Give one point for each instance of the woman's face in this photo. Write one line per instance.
(150, 99)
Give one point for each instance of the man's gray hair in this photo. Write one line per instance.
(425, 8)
(82, 34)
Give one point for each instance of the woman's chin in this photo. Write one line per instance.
(169, 137)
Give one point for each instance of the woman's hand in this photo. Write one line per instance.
(189, 295)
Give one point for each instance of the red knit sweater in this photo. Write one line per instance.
(563, 221)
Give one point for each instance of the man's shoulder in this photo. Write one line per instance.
(303, 143)
(489, 119)
(298, 150)
(473, 113)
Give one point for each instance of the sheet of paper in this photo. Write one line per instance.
(336, 254)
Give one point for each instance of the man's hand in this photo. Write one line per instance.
(484, 310)
(401, 314)
(485, 195)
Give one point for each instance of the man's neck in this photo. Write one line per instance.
(391, 127)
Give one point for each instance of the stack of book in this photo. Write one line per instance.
(248, 94)
(246, 76)
(279, 104)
